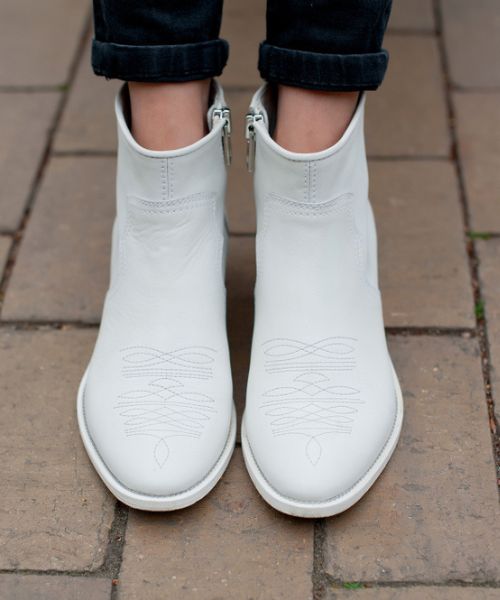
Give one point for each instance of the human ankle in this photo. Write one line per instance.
(168, 116)
(312, 120)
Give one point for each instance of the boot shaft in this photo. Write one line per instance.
(312, 208)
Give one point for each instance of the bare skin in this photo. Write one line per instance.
(168, 116)
(311, 120)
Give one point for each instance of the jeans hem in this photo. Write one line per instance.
(320, 71)
(160, 63)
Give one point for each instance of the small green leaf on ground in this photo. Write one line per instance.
(479, 235)
(479, 309)
(352, 585)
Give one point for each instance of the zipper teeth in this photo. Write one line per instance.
(251, 118)
(224, 113)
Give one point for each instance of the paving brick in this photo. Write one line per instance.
(25, 121)
(54, 512)
(88, 122)
(68, 240)
(40, 39)
(240, 284)
(44, 587)
(416, 593)
(229, 545)
(5, 243)
(412, 15)
(243, 25)
(433, 514)
(472, 38)
(477, 118)
(407, 116)
(489, 274)
(240, 200)
(424, 273)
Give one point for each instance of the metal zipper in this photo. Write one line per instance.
(224, 113)
(250, 120)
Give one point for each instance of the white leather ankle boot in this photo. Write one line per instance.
(324, 408)
(155, 406)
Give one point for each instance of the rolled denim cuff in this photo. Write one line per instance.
(162, 63)
(320, 71)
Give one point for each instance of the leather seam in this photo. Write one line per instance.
(175, 205)
(310, 208)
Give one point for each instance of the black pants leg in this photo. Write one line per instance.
(158, 40)
(325, 44)
(315, 44)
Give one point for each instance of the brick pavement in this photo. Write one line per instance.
(429, 528)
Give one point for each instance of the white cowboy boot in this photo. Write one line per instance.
(155, 406)
(324, 408)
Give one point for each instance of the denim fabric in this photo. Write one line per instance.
(158, 40)
(314, 44)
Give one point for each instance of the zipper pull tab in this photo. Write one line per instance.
(250, 120)
(224, 113)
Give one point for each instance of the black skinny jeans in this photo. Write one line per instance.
(330, 45)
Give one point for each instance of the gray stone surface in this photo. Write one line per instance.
(44, 587)
(25, 122)
(424, 273)
(39, 39)
(54, 512)
(407, 115)
(433, 514)
(88, 122)
(68, 241)
(478, 131)
(243, 25)
(412, 15)
(472, 37)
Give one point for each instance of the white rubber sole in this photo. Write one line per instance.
(144, 501)
(338, 504)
